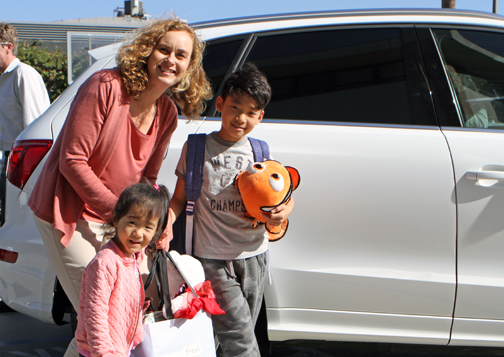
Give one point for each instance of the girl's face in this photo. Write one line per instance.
(134, 231)
(170, 58)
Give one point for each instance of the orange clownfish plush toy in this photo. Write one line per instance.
(264, 186)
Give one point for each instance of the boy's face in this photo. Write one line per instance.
(240, 114)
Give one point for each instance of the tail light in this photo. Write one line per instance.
(8, 256)
(24, 158)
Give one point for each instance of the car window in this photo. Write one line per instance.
(217, 58)
(474, 63)
(351, 75)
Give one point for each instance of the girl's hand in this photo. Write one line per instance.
(278, 214)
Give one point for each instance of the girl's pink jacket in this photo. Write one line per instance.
(111, 304)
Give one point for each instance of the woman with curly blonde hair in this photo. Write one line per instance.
(116, 134)
(190, 92)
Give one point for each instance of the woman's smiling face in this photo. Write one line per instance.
(170, 58)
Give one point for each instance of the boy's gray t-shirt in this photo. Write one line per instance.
(221, 230)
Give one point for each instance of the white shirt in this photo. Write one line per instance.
(23, 98)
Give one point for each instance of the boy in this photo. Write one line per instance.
(232, 252)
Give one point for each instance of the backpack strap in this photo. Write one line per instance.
(194, 176)
(261, 152)
(260, 149)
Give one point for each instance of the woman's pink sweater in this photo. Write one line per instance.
(110, 304)
(71, 175)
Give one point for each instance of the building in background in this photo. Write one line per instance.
(76, 37)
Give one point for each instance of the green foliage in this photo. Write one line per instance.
(80, 62)
(52, 66)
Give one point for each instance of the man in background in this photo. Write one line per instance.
(23, 96)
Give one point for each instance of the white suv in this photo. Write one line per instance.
(395, 122)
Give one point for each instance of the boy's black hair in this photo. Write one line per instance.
(154, 200)
(248, 80)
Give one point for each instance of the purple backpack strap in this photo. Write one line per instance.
(260, 149)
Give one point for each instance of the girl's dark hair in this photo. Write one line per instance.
(153, 200)
(248, 80)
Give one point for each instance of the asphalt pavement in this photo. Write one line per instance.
(23, 336)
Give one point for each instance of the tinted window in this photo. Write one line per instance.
(474, 61)
(338, 75)
(217, 59)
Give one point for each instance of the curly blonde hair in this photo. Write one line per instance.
(191, 92)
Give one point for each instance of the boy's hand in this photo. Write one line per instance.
(278, 214)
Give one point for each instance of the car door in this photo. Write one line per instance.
(370, 251)
(473, 62)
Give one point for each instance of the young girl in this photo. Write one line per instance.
(112, 297)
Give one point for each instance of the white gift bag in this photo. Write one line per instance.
(174, 337)
(178, 338)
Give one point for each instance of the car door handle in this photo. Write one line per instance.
(484, 175)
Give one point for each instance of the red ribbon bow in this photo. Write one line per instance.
(205, 300)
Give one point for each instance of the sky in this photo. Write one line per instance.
(206, 10)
